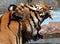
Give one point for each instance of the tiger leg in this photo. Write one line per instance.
(20, 37)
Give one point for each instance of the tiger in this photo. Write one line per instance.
(22, 22)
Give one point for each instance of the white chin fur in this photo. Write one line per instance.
(35, 32)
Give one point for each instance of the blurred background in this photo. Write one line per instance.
(48, 25)
(5, 3)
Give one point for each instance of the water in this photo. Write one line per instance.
(47, 41)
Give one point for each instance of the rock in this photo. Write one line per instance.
(51, 30)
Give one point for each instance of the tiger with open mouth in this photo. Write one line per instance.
(23, 22)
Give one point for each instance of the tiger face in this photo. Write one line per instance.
(46, 10)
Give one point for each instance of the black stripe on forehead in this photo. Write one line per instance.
(22, 6)
(28, 7)
(19, 9)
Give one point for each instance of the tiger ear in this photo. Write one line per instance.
(12, 7)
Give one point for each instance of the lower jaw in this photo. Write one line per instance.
(37, 37)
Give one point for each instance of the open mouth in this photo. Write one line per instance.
(40, 35)
(40, 32)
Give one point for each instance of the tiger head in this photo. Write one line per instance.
(47, 11)
(19, 13)
(44, 10)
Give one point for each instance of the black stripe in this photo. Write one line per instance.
(32, 20)
(31, 27)
(38, 25)
(27, 7)
(20, 9)
(22, 6)
(9, 20)
(30, 5)
(24, 32)
(38, 19)
(37, 16)
(18, 32)
(16, 40)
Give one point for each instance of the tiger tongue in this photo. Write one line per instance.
(39, 35)
(39, 31)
